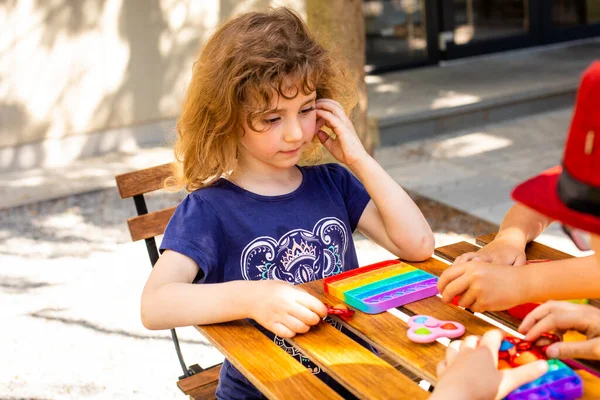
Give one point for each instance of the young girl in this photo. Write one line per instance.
(255, 223)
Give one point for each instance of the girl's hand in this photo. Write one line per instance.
(283, 308)
(483, 286)
(470, 370)
(560, 316)
(498, 251)
(346, 146)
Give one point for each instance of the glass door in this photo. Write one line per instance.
(399, 33)
(472, 27)
(570, 19)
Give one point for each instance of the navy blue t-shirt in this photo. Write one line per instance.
(305, 235)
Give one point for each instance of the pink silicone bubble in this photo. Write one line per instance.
(425, 329)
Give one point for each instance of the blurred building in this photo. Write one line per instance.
(411, 33)
(80, 78)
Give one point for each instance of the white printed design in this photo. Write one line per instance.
(299, 256)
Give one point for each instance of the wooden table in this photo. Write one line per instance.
(394, 375)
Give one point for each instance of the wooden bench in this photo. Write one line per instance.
(196, 382)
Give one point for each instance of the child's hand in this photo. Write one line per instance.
(284, 309)
(483, 286)
(498, 251)
(346, 147)
(560, 316)
(471, 372)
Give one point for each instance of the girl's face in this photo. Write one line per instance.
(283, 133)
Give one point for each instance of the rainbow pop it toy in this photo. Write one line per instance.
(560, 382)
(379, 287)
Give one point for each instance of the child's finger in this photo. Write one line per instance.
(282, 331)
(304, 314)
(455, 288)
(294, 324)
(516, 377)
(492, 339)
(478, 307)
(452, 351)
(470, 342)
(320, 124)
(441, 368)
(331, 120)
(325, 139)
(520, 260)
(463, 258)
(333, 107)
(533, 317)
(449, 275)
(467, 299)
(588, 349)
(312, 303)
(546, 324)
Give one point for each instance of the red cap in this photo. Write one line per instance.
(571, 193)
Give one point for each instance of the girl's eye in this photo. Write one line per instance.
(307, 110)
(271, 120)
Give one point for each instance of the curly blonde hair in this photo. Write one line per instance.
(245, 63)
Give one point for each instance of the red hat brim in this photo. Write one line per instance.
(540, 194)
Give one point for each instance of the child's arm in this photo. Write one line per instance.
(391, 219)
(491, 287)
(520, 226)
(170, 300)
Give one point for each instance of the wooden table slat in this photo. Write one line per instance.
(362, 372)
(388, 334)
(452, 251)
(274, 372)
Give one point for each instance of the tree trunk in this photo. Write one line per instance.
(340, 23)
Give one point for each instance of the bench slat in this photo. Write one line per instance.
(206, 392)
(143, 181)
(274, 372)
(206, 377)
(149, 225)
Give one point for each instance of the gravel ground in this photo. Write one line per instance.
(70, 282)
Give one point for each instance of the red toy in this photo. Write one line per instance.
(515, 352)
(341, 311)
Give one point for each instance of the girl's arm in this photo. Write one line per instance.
(170, 299)
(391, 218)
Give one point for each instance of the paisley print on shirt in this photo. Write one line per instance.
(299, 256)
